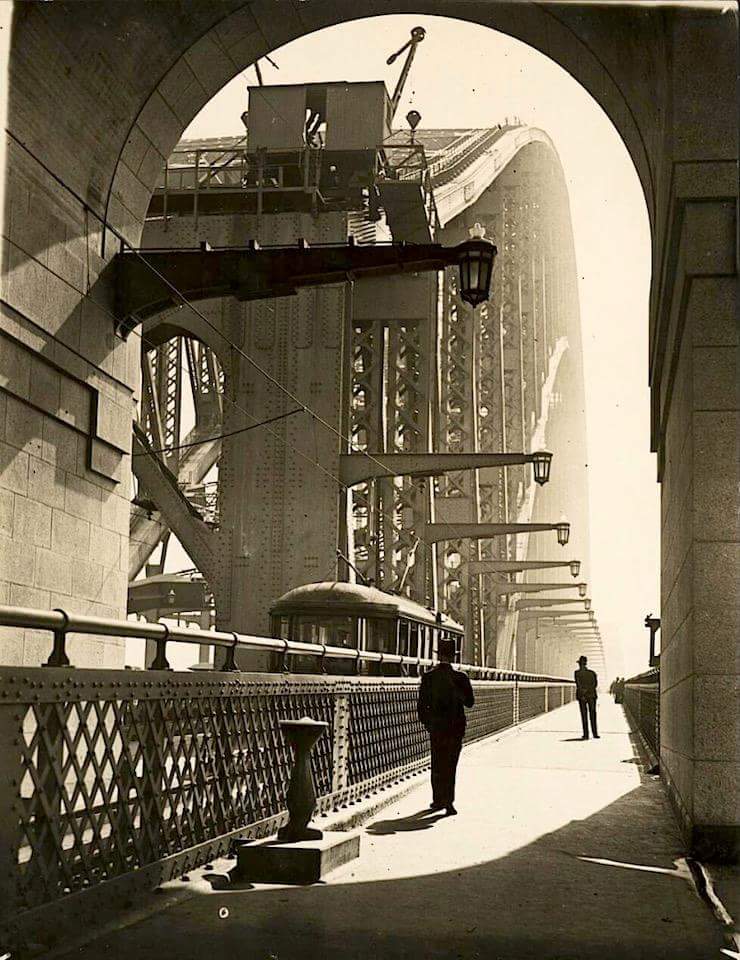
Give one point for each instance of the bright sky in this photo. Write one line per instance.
(498, 77)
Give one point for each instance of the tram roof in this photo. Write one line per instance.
(354, 598)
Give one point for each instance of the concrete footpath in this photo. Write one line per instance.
(562, 850)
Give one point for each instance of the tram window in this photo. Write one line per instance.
(426, 643)
(331, 631)
(414, 640)
(381, 635)
(403, 637)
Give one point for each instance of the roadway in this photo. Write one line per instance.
(562, 850)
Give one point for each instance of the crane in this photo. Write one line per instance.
(417, 35)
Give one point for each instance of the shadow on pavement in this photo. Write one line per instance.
(564, 895)
(421, 820)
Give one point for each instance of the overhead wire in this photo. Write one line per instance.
(218, 436)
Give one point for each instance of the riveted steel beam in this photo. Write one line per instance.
(150, 281)
(434, 532)
(358, 467)
(532, 587)
(548, 602)
(514, 566)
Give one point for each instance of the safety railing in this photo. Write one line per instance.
(112, 780)
(61, 624)
(642, 700)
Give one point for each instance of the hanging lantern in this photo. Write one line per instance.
(541, 461)
(475, 259)
(587, 605)
(563, 531)
(582, 590)
(575, 568)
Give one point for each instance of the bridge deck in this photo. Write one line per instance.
(562, 849)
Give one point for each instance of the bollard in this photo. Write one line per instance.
(301, 799)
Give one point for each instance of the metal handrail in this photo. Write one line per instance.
(648, 678)
(61, 623)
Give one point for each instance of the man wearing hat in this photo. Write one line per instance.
(443, 696)
(586, 682)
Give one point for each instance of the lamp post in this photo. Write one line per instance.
(372, 464)
(533, 603)
(147, 282)
(519, 566)
(653, 625)
(434, 532)
(536, 587)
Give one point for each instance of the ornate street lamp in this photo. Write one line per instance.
(563, 530)
(582, 589)
(575, 568)
(475, 259)
(541, 461)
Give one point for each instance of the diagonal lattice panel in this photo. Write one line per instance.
(494, 710)
(383, 728)
(531, 701)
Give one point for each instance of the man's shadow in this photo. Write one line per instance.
(421, 820)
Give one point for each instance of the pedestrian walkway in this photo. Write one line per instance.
(562, 850)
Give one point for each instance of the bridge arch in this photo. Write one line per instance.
(99, 94)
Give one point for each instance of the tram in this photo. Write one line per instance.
(339, 614)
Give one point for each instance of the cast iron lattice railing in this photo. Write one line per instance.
(532, 701)
(642, 700)
(123, 777)
(110, 772)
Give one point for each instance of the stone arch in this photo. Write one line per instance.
(606, 54)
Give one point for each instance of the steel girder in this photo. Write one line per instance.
(389, 413)
(160, 418)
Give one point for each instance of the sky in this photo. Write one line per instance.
(501, 77)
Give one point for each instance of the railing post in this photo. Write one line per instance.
(58, 656)
(166, 190)
(196, 189)
(229, 664)
(49, 767)
(546, 696)
(160, 661)
(340, 746)
(10, 799)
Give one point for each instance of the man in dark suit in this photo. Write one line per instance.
(586, 683)
(443, 696)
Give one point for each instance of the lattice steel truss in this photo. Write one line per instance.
(457, 495)
(493, 363)
(390, 405)
(161, 416)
